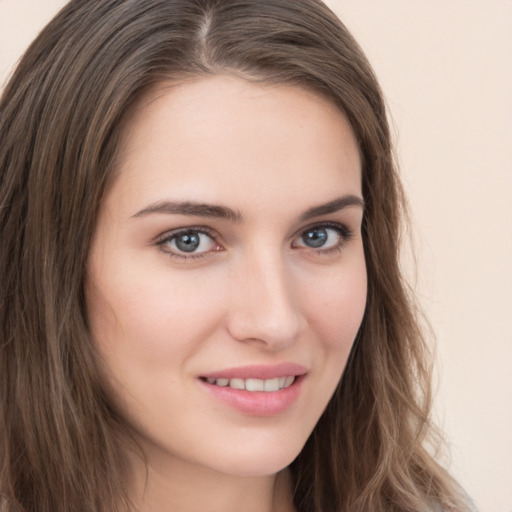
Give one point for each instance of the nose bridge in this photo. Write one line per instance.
(263, 304)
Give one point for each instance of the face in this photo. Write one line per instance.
(226, 280)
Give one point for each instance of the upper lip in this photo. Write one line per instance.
(258, 371)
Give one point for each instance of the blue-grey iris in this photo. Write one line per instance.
(315, 237)
(188, 242)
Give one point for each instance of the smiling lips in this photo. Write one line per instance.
(254, 384)
(257, 390)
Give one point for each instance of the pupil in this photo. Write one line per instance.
(315, 237)
(188, 242)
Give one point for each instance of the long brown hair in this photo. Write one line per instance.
(61, 119)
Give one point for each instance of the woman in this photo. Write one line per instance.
(201, 305)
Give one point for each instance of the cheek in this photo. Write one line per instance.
(336, 307)
(149, 319)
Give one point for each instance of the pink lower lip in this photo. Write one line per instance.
(257, 403)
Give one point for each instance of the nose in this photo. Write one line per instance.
(264, 308)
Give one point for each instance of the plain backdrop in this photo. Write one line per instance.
(446, 70)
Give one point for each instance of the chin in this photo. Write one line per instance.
(261, 461)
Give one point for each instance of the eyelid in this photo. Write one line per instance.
(162, 239)
(344, 232)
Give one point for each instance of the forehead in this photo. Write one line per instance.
(224, 136)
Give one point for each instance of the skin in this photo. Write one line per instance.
(253, 292)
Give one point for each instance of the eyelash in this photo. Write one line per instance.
(344, 233)
(169, 237)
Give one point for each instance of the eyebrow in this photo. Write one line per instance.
(191, 208)
(333, 206)
(222, 212)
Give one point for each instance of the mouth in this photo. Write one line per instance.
(257, 390)
(268, 385)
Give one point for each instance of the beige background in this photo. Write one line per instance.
(446, 69)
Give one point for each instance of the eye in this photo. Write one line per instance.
(188, 243)
(324, 237)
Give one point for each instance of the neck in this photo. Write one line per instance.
(183, 487)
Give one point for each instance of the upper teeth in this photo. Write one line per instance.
(254, 384)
